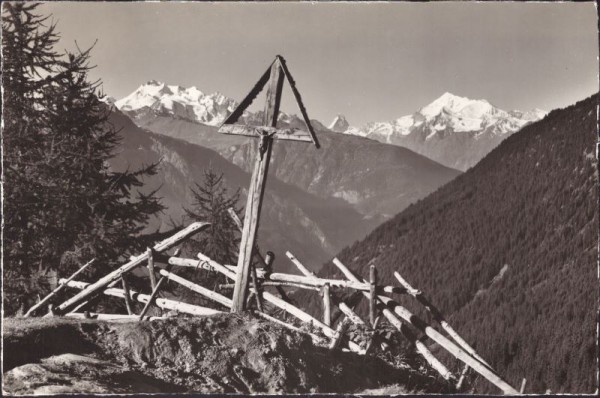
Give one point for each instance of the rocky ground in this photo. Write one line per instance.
(218, 354)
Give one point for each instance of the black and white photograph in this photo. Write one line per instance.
(294, 197)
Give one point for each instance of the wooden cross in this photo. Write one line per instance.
(274, 75)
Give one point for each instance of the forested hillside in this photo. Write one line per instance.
(509, 251)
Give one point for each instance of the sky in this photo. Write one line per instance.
(368, 61)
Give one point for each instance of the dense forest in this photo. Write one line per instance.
(509, 252)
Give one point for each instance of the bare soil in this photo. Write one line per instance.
(218, 354)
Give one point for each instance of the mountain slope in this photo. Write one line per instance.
(313, 228)
(452, 130)
(376, 179)
(509, 251)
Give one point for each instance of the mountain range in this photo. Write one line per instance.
(508, 251)
(454, 131)
(378, 180)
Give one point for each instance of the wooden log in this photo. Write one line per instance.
(256, 190)
(523, 384)
(372, 339)
(58, 289)
(150, 266)
(197, 288)
(372, 294)
(305, 271)
(291, 309)
(160, 302)
(449, 346)
(326, 305)
(290, 134)
(339, 333)
(316, 339)
(128, 302)
(350, 314)
(461, 379)
(439, 318)
(298, 313)
(115, 276)
(110, 317)
(152, 298)
(406, 332)
(217, 267)
(275, 284)
(319, 282)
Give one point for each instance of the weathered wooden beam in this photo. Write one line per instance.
(110, 317)
(197, 288)
(406, 332)
(226, 286)
(350, 314)
(319, 282)
(167, 304)
(339, 333)
(326, 304)
(298, 98)
(523, 384)
(256, 190)
(316, 339)
(150, 266)
(58, 289)
(289, 134)
(114, 276)
(439, 318)
(372, 294)
(299, 265)
(449, 346)
(151, 299)
(461, 379)
(128, 302)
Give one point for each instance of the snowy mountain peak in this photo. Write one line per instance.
(339, 124)
(186, 103)
(448, 127)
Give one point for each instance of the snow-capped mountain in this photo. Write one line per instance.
(339, 124)
(186, 103)
(455, 131)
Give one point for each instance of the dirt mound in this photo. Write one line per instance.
(218, 354)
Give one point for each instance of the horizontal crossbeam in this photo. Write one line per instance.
(258, 131)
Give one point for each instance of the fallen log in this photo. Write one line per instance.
(316, 339)
(152, 298)
(102, 283)
(58, 289)
(444, 342)
(350, 314)
(197, 288)
(406, 332)
(160, 302)
(227, 286)
(110, 317)
(299, 265)
(439, 318)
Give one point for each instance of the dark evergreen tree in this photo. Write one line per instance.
(210, 203)
(63, 205)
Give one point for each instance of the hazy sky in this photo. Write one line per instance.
(371, 62)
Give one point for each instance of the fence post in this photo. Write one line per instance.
(372, 294)
(326, 304)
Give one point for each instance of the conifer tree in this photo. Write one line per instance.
(62, 203)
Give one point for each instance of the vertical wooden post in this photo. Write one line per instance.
(269, 258)
(128, 303)
(256, 191)
(326, 304)
(372, 294)
(151, 268)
